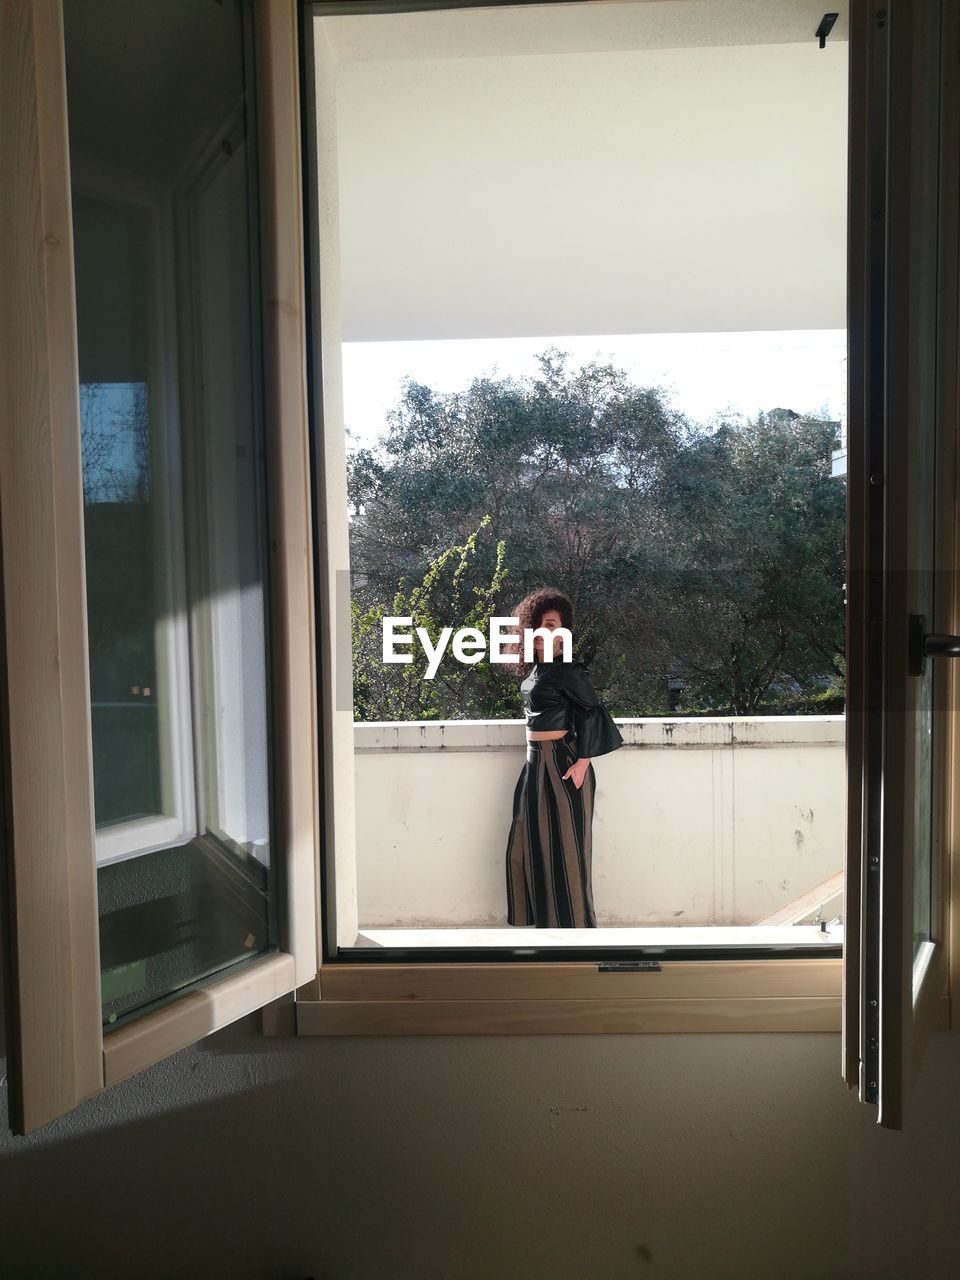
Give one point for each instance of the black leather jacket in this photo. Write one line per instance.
(561, 695)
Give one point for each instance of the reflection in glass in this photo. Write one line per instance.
(924, 252)
(120, 598)
(923, 808)
(164, 210)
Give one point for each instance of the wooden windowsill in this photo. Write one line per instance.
(571, 998)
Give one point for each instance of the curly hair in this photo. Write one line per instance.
(532, 608)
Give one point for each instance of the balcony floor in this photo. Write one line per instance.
(807, 935)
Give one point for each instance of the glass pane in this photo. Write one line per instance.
(923, 805)
(164, 183)
(121, 588)
(924, 253)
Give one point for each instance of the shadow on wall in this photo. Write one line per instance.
(470, 1157)
(450, 1158)
(203, 1190)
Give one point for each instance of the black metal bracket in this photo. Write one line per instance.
(825, 27)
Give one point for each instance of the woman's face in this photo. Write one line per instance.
(550, 619)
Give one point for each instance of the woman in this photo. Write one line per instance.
(549, 848)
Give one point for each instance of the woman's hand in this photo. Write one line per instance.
(577, 771)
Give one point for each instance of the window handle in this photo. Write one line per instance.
(925, 644)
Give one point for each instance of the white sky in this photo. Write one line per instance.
(703, 373)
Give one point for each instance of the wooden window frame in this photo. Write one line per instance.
(895, 994)
(59, 1053)
(580, 998)
(217, 1004)
(352, 997)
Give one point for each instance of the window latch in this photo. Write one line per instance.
(923, 644)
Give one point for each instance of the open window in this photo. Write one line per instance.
(174, 541)
(488, 184)
(902, 201)
(902, 575)
(475, 175)
(160, 804)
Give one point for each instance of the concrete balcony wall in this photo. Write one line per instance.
(697, 821)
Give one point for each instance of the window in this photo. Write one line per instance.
(142, 754)
(174, 516)
(897, 980)
(161, 802)
(492, 174)
(190, 610)
(530, 988)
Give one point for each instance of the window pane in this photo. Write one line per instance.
(121, 589)
(924, 250)
(164, 213)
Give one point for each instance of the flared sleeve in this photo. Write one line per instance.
(596, 730)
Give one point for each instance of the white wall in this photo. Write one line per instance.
(697, 820)
(500, 1158)
(648, 168)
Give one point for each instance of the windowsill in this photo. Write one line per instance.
(572, 997)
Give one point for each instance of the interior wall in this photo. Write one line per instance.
(473, 1158)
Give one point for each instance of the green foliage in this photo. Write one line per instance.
(710, 555)
(452, 593)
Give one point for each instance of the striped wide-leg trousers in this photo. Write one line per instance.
(549, 848)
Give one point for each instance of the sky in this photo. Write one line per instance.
(703, 373)
(107, 413)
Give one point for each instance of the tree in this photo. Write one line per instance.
(715, 553)
(452, 593)
(761, 558)
(115, 442)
